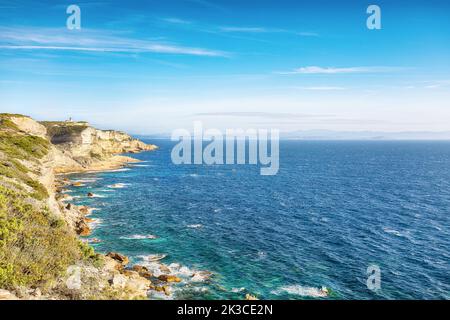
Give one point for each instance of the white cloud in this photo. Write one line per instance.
(322, 88)
(265, 30)
(437, 84)
(332, 70)
(176, 21)
(244, 29)
(90, 40)
(308, 34)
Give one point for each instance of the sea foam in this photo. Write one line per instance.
(301, 291)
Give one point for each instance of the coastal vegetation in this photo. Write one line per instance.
(35, 246)
(39, 241)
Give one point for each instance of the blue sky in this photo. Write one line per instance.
(154, 66)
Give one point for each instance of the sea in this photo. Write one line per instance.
(335, 212)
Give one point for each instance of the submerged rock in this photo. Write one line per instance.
(142, 271)
(164, 289)
(169, 278)
(83, 229)
(164, 269)
(83, 210)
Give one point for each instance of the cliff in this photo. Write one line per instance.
(41, 256)
(91, 148)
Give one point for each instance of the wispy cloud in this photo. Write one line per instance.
(437, 84)
(308, 34)
(266, 115)
(333, 70)
(321, 88)
(89, 40)
(209, 5)
(244, 29)
(176, 21)
(240, 29)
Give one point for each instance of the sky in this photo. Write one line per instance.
(151, 67)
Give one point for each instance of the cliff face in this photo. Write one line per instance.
(89, 146)
(38, 232)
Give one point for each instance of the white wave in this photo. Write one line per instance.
(94, 195)
(395, 232)
(217, 210)
(94, 240)
(86, 180)
(141, 165)
(194, 226)
(262, 254)
(95, 223)
(303, 291)
(190, 275)
(118, 185)
(153, 257)
(139, 237)
(187, 274)
(156, 295)
(194, 175)
(237, 290)
(67, 198)
(118, 170)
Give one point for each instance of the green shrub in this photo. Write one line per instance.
(88, 254)
(35, 248)
(24, 147)
(14, 170)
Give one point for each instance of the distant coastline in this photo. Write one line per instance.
(327, 135)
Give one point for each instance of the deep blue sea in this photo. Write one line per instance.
(333, 209)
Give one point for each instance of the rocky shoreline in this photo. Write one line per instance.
(48, 234)
(154, 280)
(33, 155)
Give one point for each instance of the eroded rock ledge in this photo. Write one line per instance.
(90, 148)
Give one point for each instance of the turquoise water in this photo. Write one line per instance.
(333, 209)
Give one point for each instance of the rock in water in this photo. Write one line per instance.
(84, 210)
(142, 271)
(169, 278)
(83, 229)
(118, 257)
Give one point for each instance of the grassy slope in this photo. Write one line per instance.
(35, 246)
